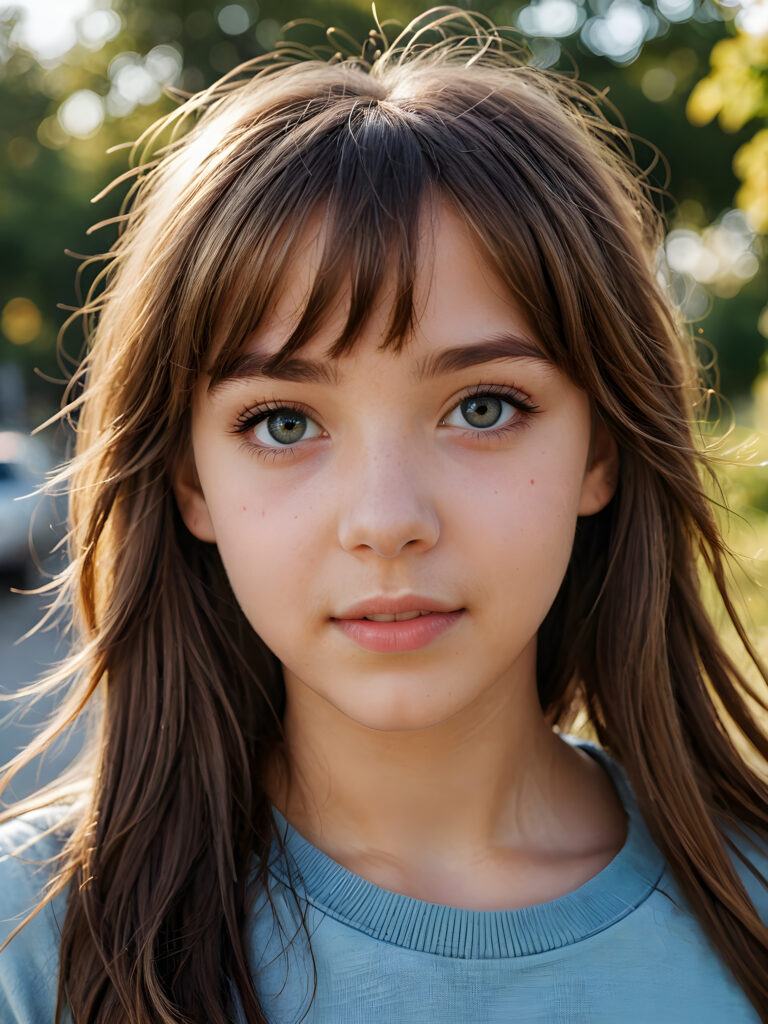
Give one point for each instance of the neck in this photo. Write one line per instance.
(494, 776)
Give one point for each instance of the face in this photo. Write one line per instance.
(445, 479)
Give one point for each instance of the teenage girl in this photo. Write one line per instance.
(386, 481)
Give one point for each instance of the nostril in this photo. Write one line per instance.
(387, 516)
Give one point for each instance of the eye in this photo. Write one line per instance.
(283, 427)
(482, 412)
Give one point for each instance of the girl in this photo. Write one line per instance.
(385, 479)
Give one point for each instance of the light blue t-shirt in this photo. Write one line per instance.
(621, 949)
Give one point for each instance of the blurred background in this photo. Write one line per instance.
(80, 78)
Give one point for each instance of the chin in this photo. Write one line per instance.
(398, 712)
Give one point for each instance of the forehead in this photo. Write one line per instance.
(464, 318)
(456, 296)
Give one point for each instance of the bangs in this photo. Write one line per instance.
(365, 183)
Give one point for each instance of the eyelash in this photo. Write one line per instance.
(254, 415)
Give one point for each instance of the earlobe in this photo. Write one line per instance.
(602, 474)
(191, 500)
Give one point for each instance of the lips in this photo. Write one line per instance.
(405, 605)
(399, 617)
(389, 625)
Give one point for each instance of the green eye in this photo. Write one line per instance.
(284, 427)
(481, 411)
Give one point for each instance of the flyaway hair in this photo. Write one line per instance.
(171, 826)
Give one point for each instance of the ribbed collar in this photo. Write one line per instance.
(480, 934)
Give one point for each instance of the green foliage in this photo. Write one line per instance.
(745, 525)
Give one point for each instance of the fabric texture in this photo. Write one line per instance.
(622, 947)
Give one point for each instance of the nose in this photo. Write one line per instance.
(385, 508)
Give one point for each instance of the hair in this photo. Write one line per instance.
(169, 838)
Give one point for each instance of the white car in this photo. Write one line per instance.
(26, 533)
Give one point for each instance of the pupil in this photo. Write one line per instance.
(482, 411)
(286, 427)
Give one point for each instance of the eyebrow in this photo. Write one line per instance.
(506, 345)
(502, 346)
(254, 366)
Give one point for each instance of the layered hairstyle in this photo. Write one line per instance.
(170, 832)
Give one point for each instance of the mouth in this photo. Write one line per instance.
(395, 609)
(395, 632)
(397, 617)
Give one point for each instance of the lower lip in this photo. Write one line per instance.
(394, 637)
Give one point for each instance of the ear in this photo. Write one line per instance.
(602, 473)
(191, 500)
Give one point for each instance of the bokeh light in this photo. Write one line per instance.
(753, 17)
(98, 27)
(21, 321)
(82, 114)
(553, 18)
(48, 29)
(267, 32)
(676, 10)
(620, 32)
(658, 84)
(717, 260)
(139, 80)
(234, 19)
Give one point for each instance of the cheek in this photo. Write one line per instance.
(524, 536)
(268, 543)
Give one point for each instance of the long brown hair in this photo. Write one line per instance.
(169, 838)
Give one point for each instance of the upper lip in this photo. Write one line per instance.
(393, 605)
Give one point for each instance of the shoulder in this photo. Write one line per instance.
(33, 825)
(748, 851)
(29, 845)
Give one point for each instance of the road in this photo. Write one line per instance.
(21, 664)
